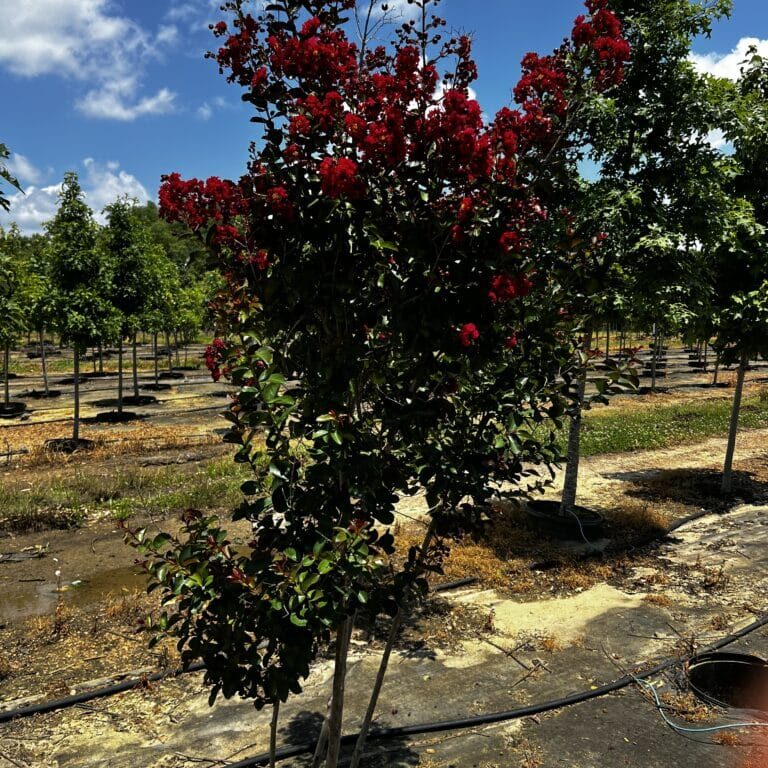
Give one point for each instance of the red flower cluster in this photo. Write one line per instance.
(544, 79)
(214, 354)
(279, 203)
(504, 287)
(198, 203)
(317, 55)
(339, 178)
(468, 334)
(602, 33)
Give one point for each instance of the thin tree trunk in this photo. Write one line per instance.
(6, 384)
(397, 622)
(101, 358)
(43, 361)
(336, 716)
(168, 350)
(176, 347)
(76, 424)
(273, 735)
(717, 370)
(706, 356)
(727, 485)
(322, 739)
(120, 375)
(135, 370)
(608, 342)
(93, 358)
(654, 357)
(571, 480)
(157, 371)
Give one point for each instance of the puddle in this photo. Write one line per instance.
(24, 600)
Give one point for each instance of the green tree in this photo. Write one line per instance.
(657, 183)
(740, 268)
(6, 176)
(80, 278)
(128, 248)
(12, 316)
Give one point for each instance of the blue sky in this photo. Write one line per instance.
(119, 90)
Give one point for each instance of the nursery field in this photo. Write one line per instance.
(525, 620)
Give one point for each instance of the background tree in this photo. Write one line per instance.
(80, 278)
(740, 266)
(128, 249)
(656, 186)
(12, 317)
(6, 176)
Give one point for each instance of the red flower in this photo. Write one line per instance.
(277, 200)
(504, 287)
(468, 334)
(339, 178)
(511, 341)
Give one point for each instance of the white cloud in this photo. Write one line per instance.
(728, 64)
(717, 139)
(23, 169)
(396, 9)
(86, 41)
(204, 111)
(102, 184)
(117, 101)
(167, 35)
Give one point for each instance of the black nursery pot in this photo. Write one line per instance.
(583, 524)
(727, 679)
(12, 410)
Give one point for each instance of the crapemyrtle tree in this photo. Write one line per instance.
(393, 316)
(81, 281)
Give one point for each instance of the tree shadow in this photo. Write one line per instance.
(304, 728)
(692, 486)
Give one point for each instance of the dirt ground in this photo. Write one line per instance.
(543, 621)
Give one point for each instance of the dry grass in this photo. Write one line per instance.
(662, 601)
(727, 739)
(687, 706)
(505, 554)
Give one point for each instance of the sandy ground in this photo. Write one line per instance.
(473, 651)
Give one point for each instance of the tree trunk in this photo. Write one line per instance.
(120, 375)
(43, 361)
(571, 481)
(717, 370)
(6, 384)
(654, 357)
(336, 715)
(168, 350)
(273, 735)
(608, 342)
(727, 485)
(76, 424)
(101, 358)
(176, 347)
(397, 622)
(135, 369)
(157, 372)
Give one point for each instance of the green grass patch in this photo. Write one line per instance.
(154, 491)
(664, 426)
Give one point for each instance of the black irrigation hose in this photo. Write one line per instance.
(383, 734)
(128, 685)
